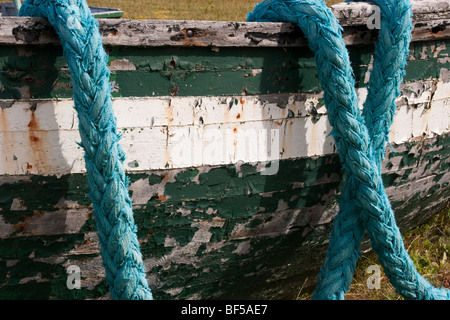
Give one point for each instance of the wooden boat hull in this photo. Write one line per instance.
(233, 177)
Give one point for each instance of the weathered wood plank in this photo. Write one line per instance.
(208, 221)
(39, 137)
(41, 72)
(354, 14)
(203, 227)
(431, 21)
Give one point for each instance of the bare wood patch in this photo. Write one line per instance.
(431, 21)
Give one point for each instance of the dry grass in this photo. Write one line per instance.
(181, 9)
(214, 10)
(428, 246)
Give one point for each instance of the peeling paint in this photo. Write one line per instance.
(121, 65)
(208, 226)
(190, 117)
(43, 141)
(140, 72)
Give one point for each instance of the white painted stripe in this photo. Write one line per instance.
(179, 132)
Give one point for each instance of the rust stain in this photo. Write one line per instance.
(235, 130)
(175, 89)
(238, 116)
(228, 105)
(287, 138)
(4, 126)
(20, 227)
(162, 197)
(172, 63)
(3, 121)
(37, 141)
(437, 31)
(169, 117)
(33, 138)
(196, 43)
(313, 140)
(190, 37)
(169, 114)
(33, 125)
(24, 226)
(7, 142)
(419, 138)
(109, 32)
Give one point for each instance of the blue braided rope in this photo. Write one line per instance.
(87, 60)
(364, 203)
(104, 158)
(391, 51)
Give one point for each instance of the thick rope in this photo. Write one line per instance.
(87, 60)
(391, 51)
(360, 147)
(364, 203)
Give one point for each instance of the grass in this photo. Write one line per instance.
(181, 9)
(214, 10)
(428, 245)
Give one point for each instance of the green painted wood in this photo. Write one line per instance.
(203, 230)
(109, 15)
(41, 72)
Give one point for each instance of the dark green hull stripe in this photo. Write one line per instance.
(216, 232)
(41, 72)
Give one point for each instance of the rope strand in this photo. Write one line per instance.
(364, 203)
(87, 60)
(360, 139)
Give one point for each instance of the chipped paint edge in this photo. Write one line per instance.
(40, 136)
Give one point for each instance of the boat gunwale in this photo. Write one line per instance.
(431, 21)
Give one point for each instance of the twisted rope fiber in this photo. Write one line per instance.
(389, 62)
(87, 60)
(364, 203)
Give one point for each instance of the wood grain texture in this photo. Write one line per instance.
(208, 230)
(431, 21)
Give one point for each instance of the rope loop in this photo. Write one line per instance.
(360, 139)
